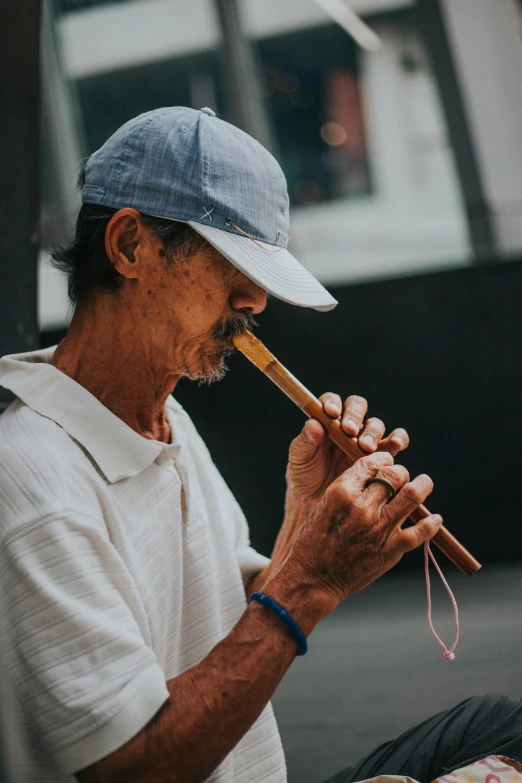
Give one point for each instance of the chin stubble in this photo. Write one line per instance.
(224, 334)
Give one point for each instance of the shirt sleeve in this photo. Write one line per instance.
(76, 649)
(250, 561)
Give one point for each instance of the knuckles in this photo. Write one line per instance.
(397, 474)
(376, 461)
(356, 399)
(340, 494)
(375, 423)
(412, 494)
(330, 398)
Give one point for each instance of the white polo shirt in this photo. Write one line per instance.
(122, 564)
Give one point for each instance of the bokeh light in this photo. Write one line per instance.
(287, 82)
(333, 134)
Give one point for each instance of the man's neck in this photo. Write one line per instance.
(104, 352)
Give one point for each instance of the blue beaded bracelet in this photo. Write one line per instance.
(302, 644)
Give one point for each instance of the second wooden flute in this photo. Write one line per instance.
(254, 350)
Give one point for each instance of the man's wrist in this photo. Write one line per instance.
(258, 580)
(303, 599)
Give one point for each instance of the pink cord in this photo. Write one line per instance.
(448, 654)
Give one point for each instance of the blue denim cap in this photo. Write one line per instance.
(181, 164)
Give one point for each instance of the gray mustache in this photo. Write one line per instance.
(236, 325)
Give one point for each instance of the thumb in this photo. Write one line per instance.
(304, 447)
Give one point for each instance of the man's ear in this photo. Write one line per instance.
(123, 237)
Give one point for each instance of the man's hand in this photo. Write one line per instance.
(352, 537)
(354, 533)
(315, 462)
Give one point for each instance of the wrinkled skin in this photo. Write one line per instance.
(315, 462)
(129, 349)
(362, 537)
(171, 318)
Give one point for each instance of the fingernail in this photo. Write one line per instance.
(351, 424)
(437, 519)
(369, 439)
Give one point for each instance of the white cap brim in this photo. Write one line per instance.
(278, 272)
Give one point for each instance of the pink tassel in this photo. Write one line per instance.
(448, 654)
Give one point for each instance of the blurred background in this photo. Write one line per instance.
(398, 126)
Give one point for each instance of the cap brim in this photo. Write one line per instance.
(277, 272)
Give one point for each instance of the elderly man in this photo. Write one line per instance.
(125, 559)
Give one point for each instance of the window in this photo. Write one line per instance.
(310, 87)
(360, 136)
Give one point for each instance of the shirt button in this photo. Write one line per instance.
(207, 110)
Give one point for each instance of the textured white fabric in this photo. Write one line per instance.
(122, 564)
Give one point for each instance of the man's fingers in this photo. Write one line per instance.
(352, 416)
(413, 537)
(397, 441)
(408, 498)
(397, 475)
(332, 404)
(354, 411)
(372, 434)
(355, 478)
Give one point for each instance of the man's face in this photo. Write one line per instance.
(207, 301)
(189, 309)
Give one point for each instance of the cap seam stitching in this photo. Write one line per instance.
(130, 145)
(206, 167)
(237, 234)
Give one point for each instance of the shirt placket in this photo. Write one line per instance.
(174, 459)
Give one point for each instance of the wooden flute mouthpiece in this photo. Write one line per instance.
(265, 361)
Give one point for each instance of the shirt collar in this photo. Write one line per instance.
(117, 449)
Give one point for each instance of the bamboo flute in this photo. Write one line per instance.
(254, 350)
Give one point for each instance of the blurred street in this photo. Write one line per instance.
(373, 669)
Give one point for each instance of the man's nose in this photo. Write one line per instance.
(247, 295)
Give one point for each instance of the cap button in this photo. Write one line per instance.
(208, 111)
